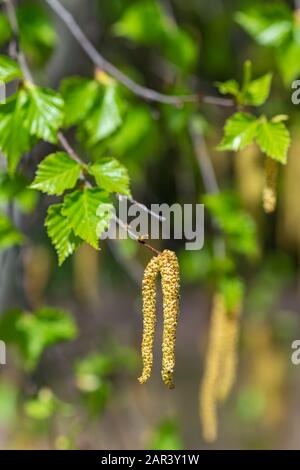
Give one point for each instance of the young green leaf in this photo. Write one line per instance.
(230, 87)
(81, 208)
(111, 176)
(61, 235)
(106, 118)
(239, 131)
(33, 333)
(9, 69)
(79, 94)
(14, 138)
(9, 235)
(257, 91)
(56, 173)
(267, 24)
(45, 113)
(273, 138)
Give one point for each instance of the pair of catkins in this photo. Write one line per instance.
(166, 264)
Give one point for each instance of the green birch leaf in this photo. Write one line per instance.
(239, 131)
(14, 138)
(83, 212)
(257, 91)
(9, 69)
(45, 113)
(111, 176)
(268, 24)
(9, 235)
(42, 329)
(61, 235)
(274, 139)
(56, 173)
(106, 118)
(80, 95)
(230, 87)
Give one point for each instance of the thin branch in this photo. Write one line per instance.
(102, 63)
(134, 236)
(204, 162)
(142, 207)
(210, 182)
(15, 49)
(68, 148)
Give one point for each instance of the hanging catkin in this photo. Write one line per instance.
(208, 390)
(167, 264)
(270, 187)
(221, 363)
(149, 316)
(169, 270)
(229, 357)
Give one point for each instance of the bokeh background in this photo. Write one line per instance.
(83, 392)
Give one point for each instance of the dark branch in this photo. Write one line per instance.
(100, 62)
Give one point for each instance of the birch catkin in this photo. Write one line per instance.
(208, 390)
(229, 357)
(167, 264)
(169, 269)
(221, 363)
(270, 187)
(149, 316)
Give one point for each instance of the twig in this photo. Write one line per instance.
(19, 56)
(210, 182)
(69, 149)
(142, 206)
(15, 50)
(102, 63)
(134, 236)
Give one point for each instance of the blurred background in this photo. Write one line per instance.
(71, 374)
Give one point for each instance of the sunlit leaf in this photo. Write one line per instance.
(9, 69)
(79, 94)
(239, 131)
(273, 139)
(61, 235)
(106, 118)
(111, 176)
(56, 173)
(45, 113)
(81, 208)
(14, 138)
(267, 23)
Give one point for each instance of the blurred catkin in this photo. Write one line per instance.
(208, 390)
(221, 363)
(229, 357)
(167, 264)
(270, 187)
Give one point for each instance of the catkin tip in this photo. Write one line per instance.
(270, 187)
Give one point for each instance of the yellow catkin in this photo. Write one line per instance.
(270, 187)
(208, 390)
(149, 316)
(169, 269)
(167, 264)
(229, 354)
